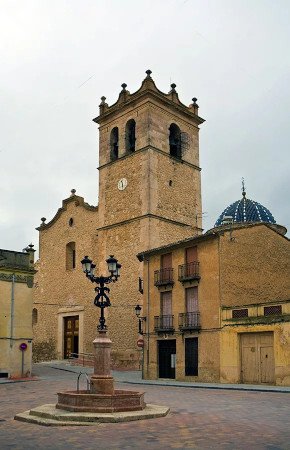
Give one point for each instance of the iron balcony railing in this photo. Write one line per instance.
(163, 277)
(189, 321)
(163, 323)
(189, 271)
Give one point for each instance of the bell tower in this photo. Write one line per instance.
(149, 187)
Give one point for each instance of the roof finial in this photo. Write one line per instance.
(123, 86)
(243, 188)
(148, 72)
(73, 191)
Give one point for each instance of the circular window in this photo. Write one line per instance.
(71, 222)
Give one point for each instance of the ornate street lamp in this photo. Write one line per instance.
(141, 319)
(102, 300)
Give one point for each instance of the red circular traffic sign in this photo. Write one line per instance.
(140, 342)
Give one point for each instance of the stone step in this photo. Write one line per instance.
(50, 415)
(27, 417)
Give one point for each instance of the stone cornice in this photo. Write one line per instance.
(144, 216)
(182, 243)
(144, 149)
(249, 305)
(148, 89)
(18, 278)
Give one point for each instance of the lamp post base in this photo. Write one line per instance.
(102, 381)
(102, 385)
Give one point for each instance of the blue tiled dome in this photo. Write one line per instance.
(246, 210)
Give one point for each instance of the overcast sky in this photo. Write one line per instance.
(59, 57)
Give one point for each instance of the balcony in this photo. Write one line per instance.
(163, 277)
(189, 321)
(163, 324)
(189, 272)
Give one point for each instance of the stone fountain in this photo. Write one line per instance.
(102, 397)
(101, 402)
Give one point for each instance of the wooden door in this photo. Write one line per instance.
(166, 267)
(71, 336)
(267, 363)
(191, 300)
(191, 255)
(166, 309)
(257, 358)
(167, 358)
(191, 261)
(191, 356)
(191, 306)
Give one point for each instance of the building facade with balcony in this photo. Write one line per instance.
(217, 306)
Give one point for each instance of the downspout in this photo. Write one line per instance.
(12, 310)
(148, 319)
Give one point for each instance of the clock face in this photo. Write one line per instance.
(122, 184)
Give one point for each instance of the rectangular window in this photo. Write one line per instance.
(191, 356)
(71, 255)
(237, 313)
(272, 310)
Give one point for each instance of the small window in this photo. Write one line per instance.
(141, 285)
(71, 255)
(114, 143)
(175, 141)
(130, 135)
(275, 310)
(238, 313)
(34, 316)
(71, 222)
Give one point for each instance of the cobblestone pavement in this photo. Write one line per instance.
(199, 419)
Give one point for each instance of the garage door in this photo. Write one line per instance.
(257, 358)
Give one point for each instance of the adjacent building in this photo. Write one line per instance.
(217, 306)
(16, 315)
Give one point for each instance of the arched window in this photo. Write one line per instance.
(130, 135)
(114, 143)
(70, 255)
(34, 316)
(175, 140)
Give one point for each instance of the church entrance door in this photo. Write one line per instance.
(71, 336)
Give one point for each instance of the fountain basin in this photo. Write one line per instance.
(83, 401)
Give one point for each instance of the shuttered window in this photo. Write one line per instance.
(166, 303)
(191, 299)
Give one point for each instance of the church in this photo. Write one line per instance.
(150, 207)
(149, 195)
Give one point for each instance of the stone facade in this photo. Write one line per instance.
(60, 291)
(160, 202)
(242, 270)
(16, 282)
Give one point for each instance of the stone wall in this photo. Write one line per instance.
(60, 291)
(255, 266)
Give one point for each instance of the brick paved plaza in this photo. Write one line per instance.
(199, 419)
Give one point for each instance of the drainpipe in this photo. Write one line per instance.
(12, 310)
(148, 318)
